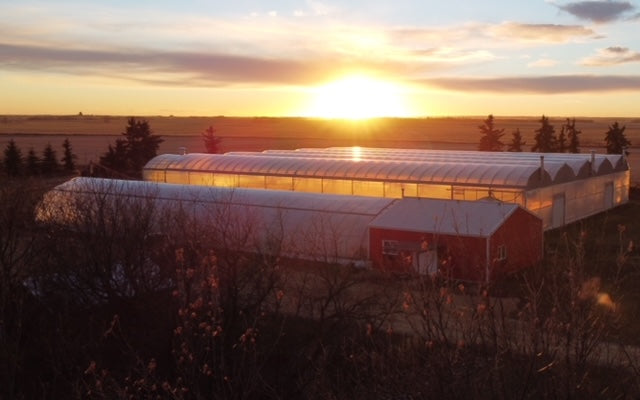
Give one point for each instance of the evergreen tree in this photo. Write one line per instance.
(211, 141)
(132, 152)
(490, 139)
(615, 139)
(572, 135)
(516, 141)
(142, 144)
(561, 142)
(116, 157)
(33, 162)
(12, 159)
(545, 138)
(49, 163)
(68, 158)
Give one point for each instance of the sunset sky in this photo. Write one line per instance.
(325, 58)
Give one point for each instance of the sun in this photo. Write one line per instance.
(358, 97)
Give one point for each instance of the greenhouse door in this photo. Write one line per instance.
(608, 195)
(557, 211)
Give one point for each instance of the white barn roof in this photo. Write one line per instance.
(451, 217)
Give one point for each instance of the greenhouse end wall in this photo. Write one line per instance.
(564, 203)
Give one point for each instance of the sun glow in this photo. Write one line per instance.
(358, 97)
(356, 153)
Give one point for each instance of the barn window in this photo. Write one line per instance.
(390, 247)
(502, 252)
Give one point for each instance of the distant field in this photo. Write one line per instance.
(91, 135)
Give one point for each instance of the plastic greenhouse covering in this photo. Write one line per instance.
(305, 225)
(327, 228)
(532, 180)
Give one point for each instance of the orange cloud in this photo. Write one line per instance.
(545, 33)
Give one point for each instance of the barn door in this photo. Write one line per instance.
(608, 195)
(557, 212)
(427, 262)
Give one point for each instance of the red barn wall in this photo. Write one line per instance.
(464, 257)
(522, 234)
(460, 257)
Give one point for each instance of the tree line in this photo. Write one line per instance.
(546, 140)
(15, 164)
(124, 159)
(138, 144)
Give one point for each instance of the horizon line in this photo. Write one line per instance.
(355, 120)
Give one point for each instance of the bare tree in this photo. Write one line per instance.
(105, 242)
(19, 314)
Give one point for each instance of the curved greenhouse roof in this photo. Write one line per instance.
(575, 161)
(221, 195)
(460, 172)
(495, 169)
(330, 228)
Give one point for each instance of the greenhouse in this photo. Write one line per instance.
(558, 187)
(299, 225)
(471, 240)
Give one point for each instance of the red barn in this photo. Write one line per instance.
(469, 240)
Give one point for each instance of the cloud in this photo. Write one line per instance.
(598, 11)
(612, 56)
(540, 84)
(483, 36)
(410, 35)
(321, 8)
(316, 8)
(177, 68)
(540, 32)
(449, 56)
(543, 63)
